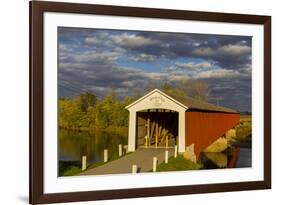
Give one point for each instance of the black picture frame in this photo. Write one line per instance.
(37, 9)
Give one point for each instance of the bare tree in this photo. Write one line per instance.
(195, 88)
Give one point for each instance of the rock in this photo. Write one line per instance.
(230, 134)
(219, 159)
(189, 153)
(219, 145)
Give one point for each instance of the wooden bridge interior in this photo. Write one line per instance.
(157, 128)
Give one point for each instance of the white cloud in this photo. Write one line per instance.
(64, 48)
(72, 66)
(195, 66)
(178, 78)
(246, 69)
(92, 40)
(128, 83)
(204, 51)
(226, 50)
(218, 73)
(201, 70)
(97, 88)
(92, 56)
(131, 40)
(196, 44)
(143, 57)
(64, 51)
(234, 50)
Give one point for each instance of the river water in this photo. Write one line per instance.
(75, 144)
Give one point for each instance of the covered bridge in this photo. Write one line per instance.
(158, 119)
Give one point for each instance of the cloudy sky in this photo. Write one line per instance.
(97, 60)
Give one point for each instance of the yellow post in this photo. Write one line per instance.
(146, 141)
(167, 141)
(148, 132)
(156, 136)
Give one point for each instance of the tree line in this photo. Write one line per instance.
(86, 111)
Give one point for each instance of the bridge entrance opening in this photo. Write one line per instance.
(157, 128)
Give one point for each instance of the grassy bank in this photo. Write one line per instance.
(71, 168)
(178, 164)
(74, 168)
(244, 129)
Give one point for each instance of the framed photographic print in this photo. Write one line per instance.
(136, 102)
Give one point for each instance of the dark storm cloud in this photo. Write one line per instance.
(86, 77)
(230, 52)
(231, 92)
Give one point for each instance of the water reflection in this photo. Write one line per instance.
(212, 160)
(74, 144)
(232, 157)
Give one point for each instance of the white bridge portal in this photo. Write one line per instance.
(154, 101)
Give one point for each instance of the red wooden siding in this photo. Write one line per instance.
(203, 128)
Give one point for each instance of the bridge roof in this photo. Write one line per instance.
(188, 102)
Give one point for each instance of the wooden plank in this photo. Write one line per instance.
(148, 127)
(156, 136)
(151, 134)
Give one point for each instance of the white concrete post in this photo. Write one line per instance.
(134, 169)
(166, 156)
(176, 151)
(154, 164)
(105, 155)
(84, 163)
(120, 150)
(132, 131)
(181, 130)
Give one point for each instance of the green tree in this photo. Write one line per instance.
(87, 100)
(104, 112)
(86, 111)
(70, 115)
